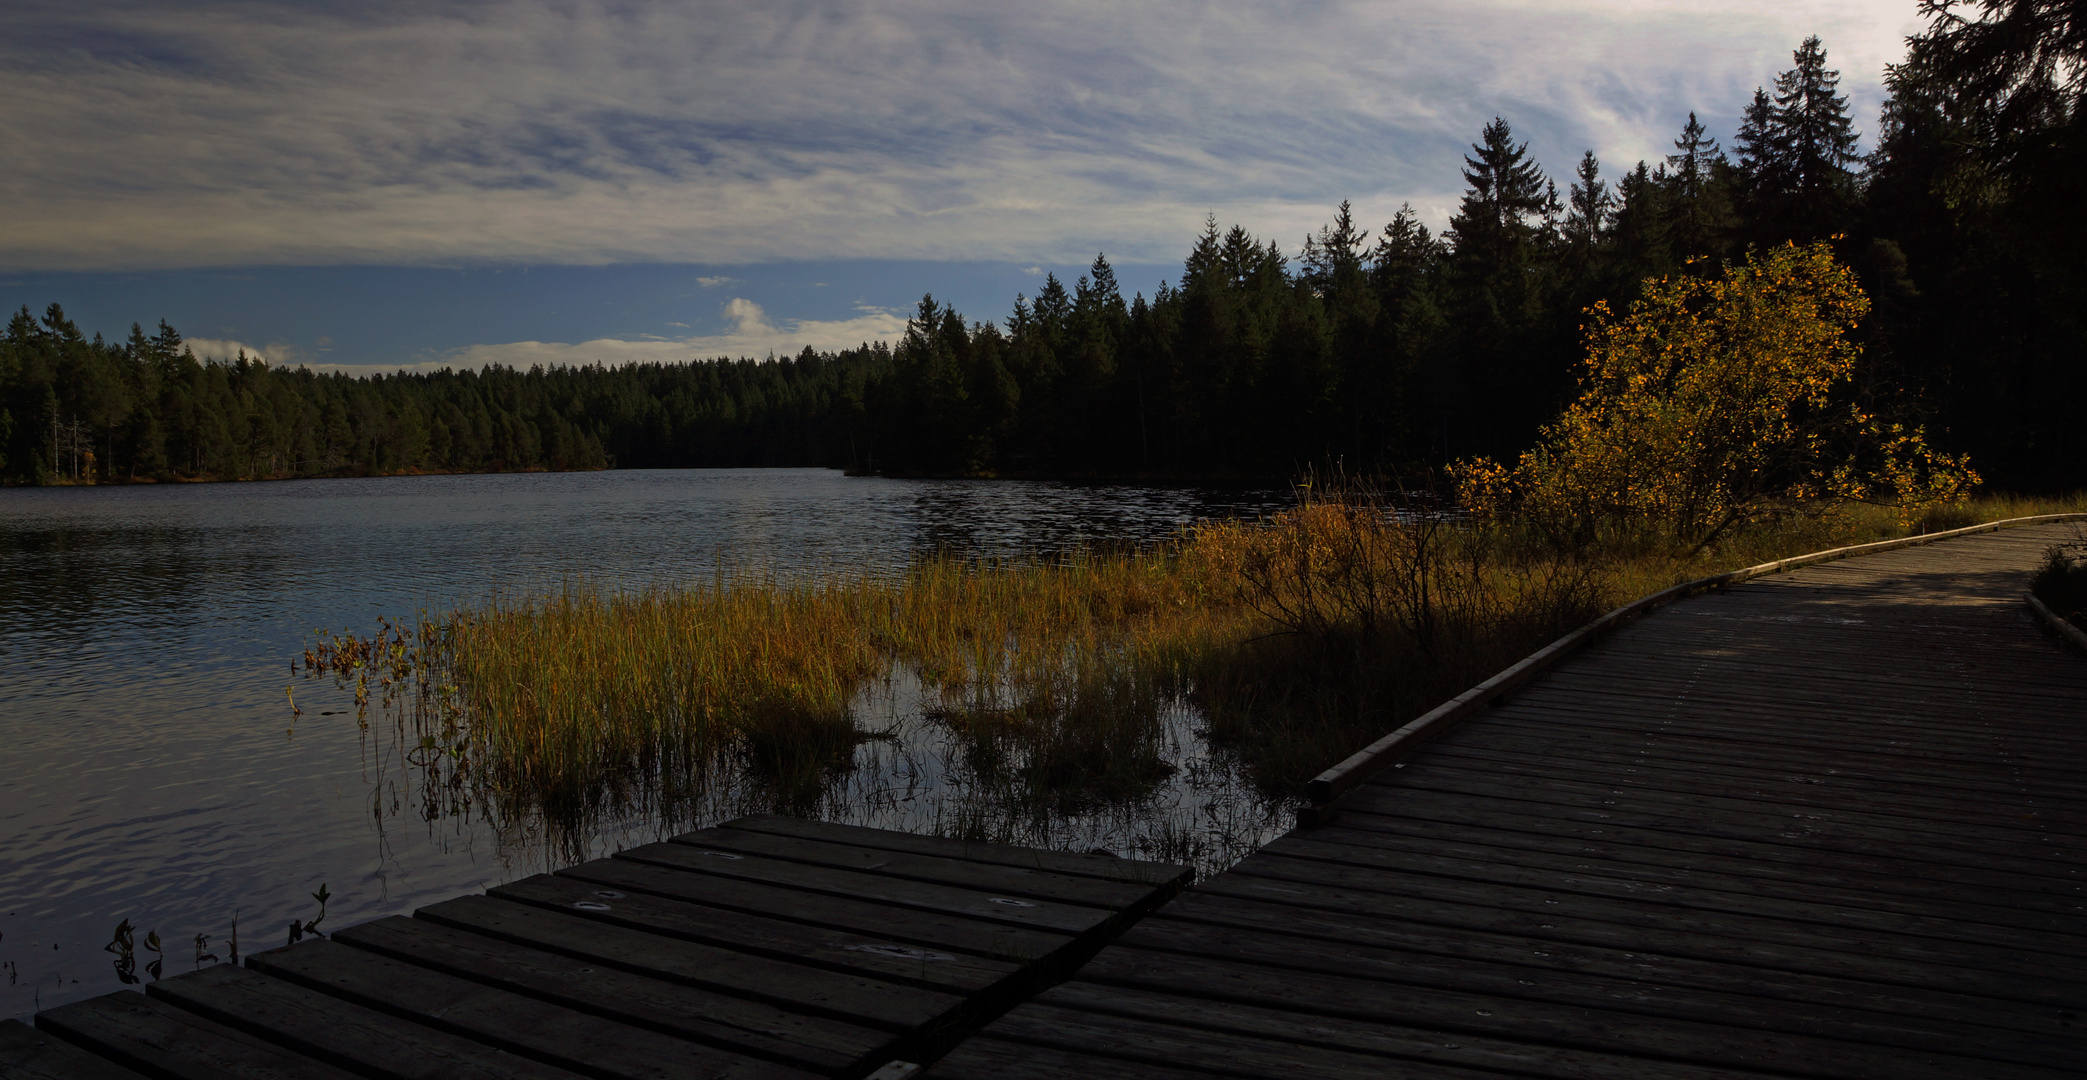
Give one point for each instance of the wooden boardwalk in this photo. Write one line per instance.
(769, 948)
(1827, 824)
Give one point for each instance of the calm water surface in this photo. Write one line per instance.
(149, 768)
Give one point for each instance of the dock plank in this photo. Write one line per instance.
(1103, 867)
(1056, 916)
(29, 1054)
(1027, 882)
(327, 1028)
(687, 1012)
(824, 947)
(856, 999)
(858, 915)
(153, 1037)
(578, 1041)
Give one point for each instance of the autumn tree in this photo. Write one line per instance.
(1716, 401)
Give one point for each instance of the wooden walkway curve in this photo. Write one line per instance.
(1827, 824)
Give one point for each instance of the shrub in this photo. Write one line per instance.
(1714, 402)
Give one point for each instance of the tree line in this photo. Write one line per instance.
(1378, 348)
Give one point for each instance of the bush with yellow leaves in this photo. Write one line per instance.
(1714, 402)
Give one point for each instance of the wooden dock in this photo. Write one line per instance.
(765, 948)
(1827, 824)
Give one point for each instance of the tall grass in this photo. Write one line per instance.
(1059, 686)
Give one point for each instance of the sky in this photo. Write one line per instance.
(384, 185)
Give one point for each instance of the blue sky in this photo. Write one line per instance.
(425, 184)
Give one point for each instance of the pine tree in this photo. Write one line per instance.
(1817, 133)
(1498, 283)
(1698, 205)
(1797, 150)
(1587, 218)
(1506, 190)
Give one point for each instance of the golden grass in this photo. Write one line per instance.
(1295, 641)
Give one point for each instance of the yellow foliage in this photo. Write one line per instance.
(1716, 401)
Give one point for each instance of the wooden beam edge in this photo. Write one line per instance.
(2056, 623)
(1330, 785)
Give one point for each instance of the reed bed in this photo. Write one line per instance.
(1171, 701)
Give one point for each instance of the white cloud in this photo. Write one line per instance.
(752, 334)
(537, 131)
(277, 355)
(714, 282)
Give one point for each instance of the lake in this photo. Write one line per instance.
(151, 768)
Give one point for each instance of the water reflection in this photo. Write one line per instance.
(1138, 779)
(150, 771)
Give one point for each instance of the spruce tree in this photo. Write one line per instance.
(1818, 137)
(1587, 219)
(1697, 202)
(1506, 380)
(1506, 190)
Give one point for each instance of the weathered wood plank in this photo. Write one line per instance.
(1668, 832)
(153, 1037)
(581, 1042)
(1792, 829)
(2032, 839)
(1146, 1043)
(1640, 994)
(1753, 726)
(1049, 915)
(859, 915)
(989, 1058)
(687, 1012)
(1518, 1019)
(29, 1054)
(853, 998)
(990, 878)
(834, 950)
(1677, 937)
(328, 1028)
(1602, 840)
(1674, 758)
(1104, 867)
(1308, 1031)
(1831, 930)
(1818, 980)
(1427, 853)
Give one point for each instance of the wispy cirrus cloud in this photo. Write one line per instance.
(235, 133)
